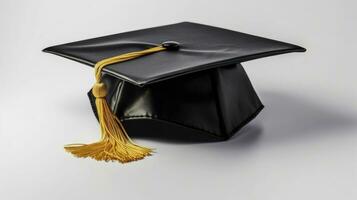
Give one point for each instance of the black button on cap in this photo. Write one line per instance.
(171, 45)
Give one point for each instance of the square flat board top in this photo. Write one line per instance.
(201, 47)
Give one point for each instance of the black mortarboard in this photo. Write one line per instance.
(181, 77)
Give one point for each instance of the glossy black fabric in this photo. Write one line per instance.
(201, 47)
(217, 102)
(200, 89)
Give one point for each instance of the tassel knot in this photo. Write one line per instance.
(99, 90)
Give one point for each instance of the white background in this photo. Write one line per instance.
(302, 146)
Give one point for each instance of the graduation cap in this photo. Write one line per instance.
(183, 76)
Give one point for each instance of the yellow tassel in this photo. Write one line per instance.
(115, 144)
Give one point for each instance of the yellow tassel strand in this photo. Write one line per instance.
(114, 144)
